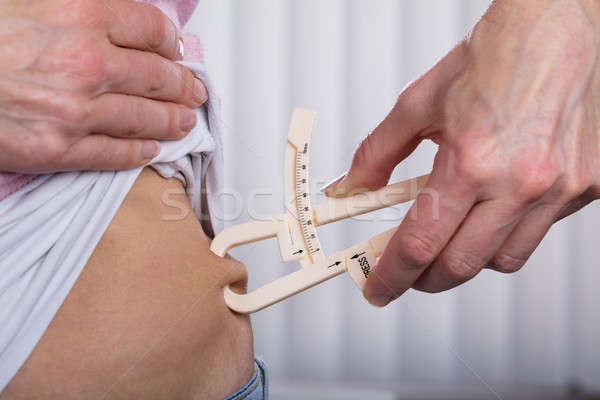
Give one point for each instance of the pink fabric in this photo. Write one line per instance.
(11, 182)
(179, 11)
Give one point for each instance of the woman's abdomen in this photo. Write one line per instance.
(146, 318)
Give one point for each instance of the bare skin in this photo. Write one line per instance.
(515, 110)
(87, 84)
(146, 319)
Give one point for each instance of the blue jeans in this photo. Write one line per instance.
(257, 387)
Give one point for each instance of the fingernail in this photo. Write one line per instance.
(187, 119)
(180, 51)
(150, 149)
(200, 95)
(380, 300)
(330, 188)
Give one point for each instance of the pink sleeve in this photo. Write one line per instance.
(180, 12)
(11, 182)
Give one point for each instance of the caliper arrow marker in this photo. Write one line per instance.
(354, 257)
(298, 252)
(335, 264)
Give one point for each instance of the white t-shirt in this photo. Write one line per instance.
(50, 227)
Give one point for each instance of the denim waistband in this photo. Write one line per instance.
(257, 387)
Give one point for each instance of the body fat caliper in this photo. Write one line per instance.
(296, 232)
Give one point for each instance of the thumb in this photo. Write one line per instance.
(416, 114)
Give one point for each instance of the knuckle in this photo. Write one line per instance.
(81, 64)
(74, 111)
(157, 27)
(126, 158)
(101, 159)
(173, 125)
(158, 75)
(367, 157)
(187, 81)
(122, 158)
(52, 150)
(535, 181)
(460, 266)
(85, 64)
(364, 152)
(92, 72)
(417, 250)
(137, 123)
(537, 171)
(507, 264)
(574, 185)
(466, 169)
(476, 164)
(169, 121)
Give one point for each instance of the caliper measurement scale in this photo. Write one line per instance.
(296, 232)
(298, 195)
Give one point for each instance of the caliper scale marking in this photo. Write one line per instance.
(296, 231)
(302, 200)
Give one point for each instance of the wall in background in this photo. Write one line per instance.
(348, 60)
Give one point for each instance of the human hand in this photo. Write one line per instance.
(85, 84)
(515, 110)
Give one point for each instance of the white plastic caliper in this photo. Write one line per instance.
(296, 229)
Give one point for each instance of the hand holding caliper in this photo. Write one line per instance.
(296, 229)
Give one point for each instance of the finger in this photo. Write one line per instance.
(125, 116)
(145, 74)
(574, 206)
(526, 237)
(415, 114)
(434, 217)
(530, 232)
(102, 152)
(144, 27)
(480, 236)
